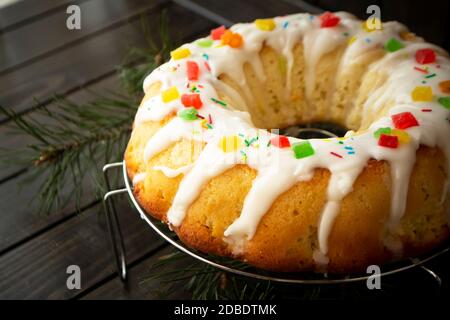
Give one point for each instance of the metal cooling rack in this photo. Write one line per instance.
(251, 272)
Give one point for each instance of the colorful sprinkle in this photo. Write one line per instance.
(232, 39)
(180, 53)
(421, 70)
(248, 143)
(170, 94)
(425, 56)
(388, 141)
(217, 33)
(244, 155)
(422, 93)
(188, 114)
(328, 20)
(444, 86)
(404, 120)
(230, 143)
(380, 131)
(393, 45)
(222, 103)
(280, 141)
(426, 110)
(302, 149)
(285, 24)
(192, 70)
(191, 100)
(265, 24)
(207, 66)
(445, 102)
(336, 154)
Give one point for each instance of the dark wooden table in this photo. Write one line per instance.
(39, 57)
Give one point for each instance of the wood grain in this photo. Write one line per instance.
(88, 61)
(37, 269)
(49, 35)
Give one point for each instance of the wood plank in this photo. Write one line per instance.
(95, 58)
(234, 11)
(22, 12)
(110, 83)
(37, 269)
(139, 285)
(17, 221)
(23, 46)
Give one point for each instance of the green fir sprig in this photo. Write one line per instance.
(177, 271)
(68, 141)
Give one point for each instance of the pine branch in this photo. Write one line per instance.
(203, 281)
(69, 140)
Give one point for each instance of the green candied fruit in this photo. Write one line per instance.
(302, 149)
(381, 131)
(393, 45)
(445, 102)
(204, 43)
(188, 114)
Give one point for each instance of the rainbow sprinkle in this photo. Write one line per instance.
(222, 103)
(336, 154)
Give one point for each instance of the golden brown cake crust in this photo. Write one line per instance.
(287, 235)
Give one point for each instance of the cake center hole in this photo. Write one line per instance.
(314, 130)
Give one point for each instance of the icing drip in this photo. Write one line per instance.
(341, 183)
(277, 169)
(139, 177)
(172, 173)
(208, 165)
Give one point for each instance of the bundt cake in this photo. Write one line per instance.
(204, 155)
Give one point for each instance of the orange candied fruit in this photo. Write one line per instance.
(232, 39)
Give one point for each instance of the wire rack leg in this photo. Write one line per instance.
(115, 232)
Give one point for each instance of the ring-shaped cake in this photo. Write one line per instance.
(204, 157)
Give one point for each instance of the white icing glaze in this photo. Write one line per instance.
(138, 177)
(172, 173)
(277, 169)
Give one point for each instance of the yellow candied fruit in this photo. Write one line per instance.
(230, 143)
(180, 53)
(170, 94)
(372, 24)
(403, 136)
(265, 24)
(422, 93)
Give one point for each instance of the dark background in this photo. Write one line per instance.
(39, 57)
